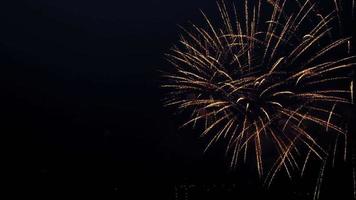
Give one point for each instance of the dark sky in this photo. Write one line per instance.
(82, 103)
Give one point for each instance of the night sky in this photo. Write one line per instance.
(82, 106)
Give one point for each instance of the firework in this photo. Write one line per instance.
(264, 80)
(345, 12)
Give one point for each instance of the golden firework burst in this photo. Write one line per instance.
(270, 78)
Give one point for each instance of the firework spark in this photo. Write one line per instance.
(262, 79)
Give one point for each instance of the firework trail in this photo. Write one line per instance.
(319, 181)
(344, 9)
(264, 80)
(345, 13)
